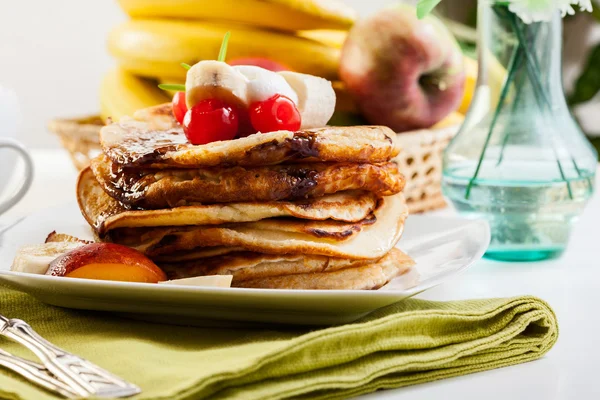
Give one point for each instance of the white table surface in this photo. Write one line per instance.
(570, 285)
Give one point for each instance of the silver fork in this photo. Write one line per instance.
(61, 372)
(35, 373)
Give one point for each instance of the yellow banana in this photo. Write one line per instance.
(288, 15)
(497, 75)
(470, 84)
(329, 37)
(155, 48)
(122, 93)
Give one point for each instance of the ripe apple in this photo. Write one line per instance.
(403, 72)
(106, 261)
(259, 62)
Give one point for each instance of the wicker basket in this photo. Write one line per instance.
(421, 163)
(420, 159)
(80, 137)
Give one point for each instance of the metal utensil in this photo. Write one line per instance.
(36, 373)
(80, 377)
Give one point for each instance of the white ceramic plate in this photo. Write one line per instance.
(442, 248)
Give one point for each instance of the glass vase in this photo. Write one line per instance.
(520, 160)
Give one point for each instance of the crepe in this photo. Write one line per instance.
(244, 266)
(136, 143)
(156, 189)
(104, 213)
(369, 241)
(366, 277)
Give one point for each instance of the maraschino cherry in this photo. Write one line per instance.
(210, 120)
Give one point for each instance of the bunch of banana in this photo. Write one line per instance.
(122, 93)
(302, 35)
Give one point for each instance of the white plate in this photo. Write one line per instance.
(442, 248)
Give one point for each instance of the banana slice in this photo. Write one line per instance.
(211, 79)
(35, 259)
(203, 281)
(316, 98)
(264, 84)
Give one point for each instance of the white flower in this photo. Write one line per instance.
(543, 10)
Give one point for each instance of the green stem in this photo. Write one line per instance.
(515, 105)
(516, 58)
(532, 67)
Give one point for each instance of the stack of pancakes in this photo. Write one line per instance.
(314, 209)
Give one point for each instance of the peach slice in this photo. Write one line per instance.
(107, 261)
(119, 272)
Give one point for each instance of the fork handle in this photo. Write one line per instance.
(83, 377)
(36, 374)
(49, 354)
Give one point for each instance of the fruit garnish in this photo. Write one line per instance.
(119, 272)
(106, 261)
(210, 120)
(275, 114)
(172, 86)
(223, 50)
(179, 106)
(181, 88)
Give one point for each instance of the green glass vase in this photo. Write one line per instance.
(520, 160)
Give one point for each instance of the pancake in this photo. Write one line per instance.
(246, 266)
(133, 143)
(157, 189)
(158, 117)
(369, 242)
(196, 254)
(104, 213)
(366, 277)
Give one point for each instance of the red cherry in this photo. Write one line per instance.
(245, 127)
(179, 106)
(275, 114)
(210, 120)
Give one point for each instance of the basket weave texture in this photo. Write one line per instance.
(81, 138)
(420, 159)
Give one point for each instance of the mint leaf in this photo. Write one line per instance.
(223, 51)
(172, 86)
(588, 83)
(185, 66)
(424, 7)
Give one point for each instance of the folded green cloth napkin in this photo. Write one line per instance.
(411, 342)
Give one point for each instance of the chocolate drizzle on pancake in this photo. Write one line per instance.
(304, 145)
(166, 188)
(136, 144)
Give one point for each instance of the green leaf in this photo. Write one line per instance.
(588, 83)
(223, 51)
(424, 7)
(185, 66)
(172, 86)
(596, 10)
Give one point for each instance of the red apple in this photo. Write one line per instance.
(106, 261)
(259, 62)
(403, 72)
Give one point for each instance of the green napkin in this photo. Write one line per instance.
(411, 342)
